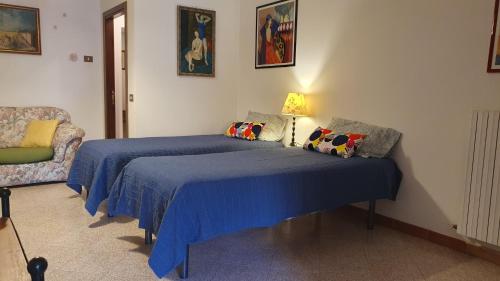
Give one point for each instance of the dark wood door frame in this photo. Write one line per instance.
(109, 72)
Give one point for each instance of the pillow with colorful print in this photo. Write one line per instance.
(343, 145)
(328, 142)
(315, 138)
(245, 130)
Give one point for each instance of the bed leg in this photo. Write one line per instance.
(371, 214)
(148, 238)
(183, 268)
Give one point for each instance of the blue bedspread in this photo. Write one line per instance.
(98, 163)
(189, 199)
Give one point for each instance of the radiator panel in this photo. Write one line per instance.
(481, 214)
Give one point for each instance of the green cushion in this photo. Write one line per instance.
(25, 155)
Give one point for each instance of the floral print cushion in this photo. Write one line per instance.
(14, 120)
(7, 121)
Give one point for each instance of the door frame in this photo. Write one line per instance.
(109, 72)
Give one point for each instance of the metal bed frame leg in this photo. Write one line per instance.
(148, 238)
(5, 194)
(183, 268)
(371, 214)
(37, 268)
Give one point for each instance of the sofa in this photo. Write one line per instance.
(66, 141)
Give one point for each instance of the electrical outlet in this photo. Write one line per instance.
(88, 58)
(131, 98)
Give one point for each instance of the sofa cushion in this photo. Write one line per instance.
(14, 120)
(7, 133)
(23, 155)
(39, 133)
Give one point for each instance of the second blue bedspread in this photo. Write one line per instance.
(190, 199)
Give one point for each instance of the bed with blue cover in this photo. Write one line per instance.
(189, 199)
(99, 162)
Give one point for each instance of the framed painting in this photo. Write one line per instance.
(276, 34)
(195, 42)
(20, 30)
(494, 56)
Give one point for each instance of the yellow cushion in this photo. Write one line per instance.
(39, 133)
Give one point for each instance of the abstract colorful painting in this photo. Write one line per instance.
(494, 58)
(276, 34)
(195, 42)
(20, 30)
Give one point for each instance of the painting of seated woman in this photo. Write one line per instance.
(196, 42)
(276, 34)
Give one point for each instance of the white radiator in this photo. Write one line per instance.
(481, 215)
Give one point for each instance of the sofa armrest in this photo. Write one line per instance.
(65, 134)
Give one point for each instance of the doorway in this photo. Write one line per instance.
(115, 72)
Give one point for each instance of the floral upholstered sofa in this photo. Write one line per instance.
(67, 139)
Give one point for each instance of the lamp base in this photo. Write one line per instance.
(293, 144)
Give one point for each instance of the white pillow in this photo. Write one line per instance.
(274, 130)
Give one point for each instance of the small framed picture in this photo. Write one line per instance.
(276, 34)
(20, 30)
(494, 56)
(195, 42)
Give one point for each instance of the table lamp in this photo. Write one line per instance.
(295, 105)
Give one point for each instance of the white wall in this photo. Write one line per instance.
(166, 104)
(109, 4)
(416, 66)
(52, 79)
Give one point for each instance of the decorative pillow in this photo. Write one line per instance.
(328, 142)
(379, 141)
(39, 133)
(245, 130)
(275, 125)
(343, 145)
(316, 138)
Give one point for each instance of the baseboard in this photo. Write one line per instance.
(432, 236)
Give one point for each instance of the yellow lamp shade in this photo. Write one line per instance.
(295, 105)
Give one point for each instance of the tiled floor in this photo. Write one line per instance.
(53, 223)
